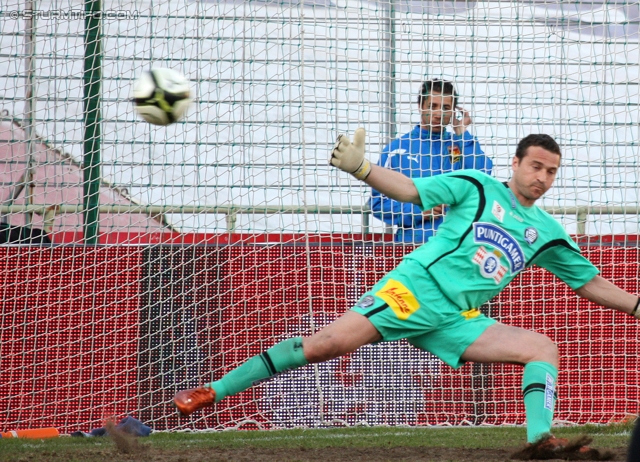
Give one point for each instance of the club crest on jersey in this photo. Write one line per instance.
(454, 152)
(490, 266)
(487, 233)
(530, 235)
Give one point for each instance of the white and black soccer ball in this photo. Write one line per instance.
(161, 96)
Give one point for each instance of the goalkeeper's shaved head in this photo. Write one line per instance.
(442, 87)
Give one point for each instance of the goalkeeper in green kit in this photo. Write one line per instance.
(492, 232)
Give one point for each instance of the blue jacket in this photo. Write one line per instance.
(421, 153)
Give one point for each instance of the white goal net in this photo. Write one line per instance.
(173, 253)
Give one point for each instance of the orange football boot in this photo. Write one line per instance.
(189, 401)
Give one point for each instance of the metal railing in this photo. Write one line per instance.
(232, 211)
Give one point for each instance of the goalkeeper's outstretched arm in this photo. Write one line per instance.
(349, 157)
(605, 293)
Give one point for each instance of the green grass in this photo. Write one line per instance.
(163, 446)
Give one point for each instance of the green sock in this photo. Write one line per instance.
(283, 356)
(539, 390)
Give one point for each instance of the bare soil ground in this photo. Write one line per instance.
(149, 453)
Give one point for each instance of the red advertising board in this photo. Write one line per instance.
(91, 332)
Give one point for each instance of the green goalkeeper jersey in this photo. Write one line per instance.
(488, 237)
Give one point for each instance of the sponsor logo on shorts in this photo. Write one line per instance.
(470, 314)
(366, 301)
(490, 266)
(399, 298)
(530, 235)
(549, 391)
(487, 233)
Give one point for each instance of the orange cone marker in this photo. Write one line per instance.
(36, 433)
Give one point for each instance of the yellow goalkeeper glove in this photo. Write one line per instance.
(349, 157)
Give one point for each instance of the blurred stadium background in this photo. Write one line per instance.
(177, 252)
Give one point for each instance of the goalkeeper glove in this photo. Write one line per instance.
(349, 157)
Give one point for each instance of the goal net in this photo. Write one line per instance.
(142, 260)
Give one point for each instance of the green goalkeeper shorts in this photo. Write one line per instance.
(407, 303)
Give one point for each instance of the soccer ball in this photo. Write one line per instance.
(161, 96)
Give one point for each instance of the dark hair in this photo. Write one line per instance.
(444, 87)
(539, 140)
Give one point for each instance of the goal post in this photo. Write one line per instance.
(228, 231)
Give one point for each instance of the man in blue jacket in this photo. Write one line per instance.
(428, 150)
